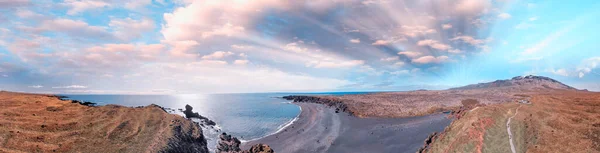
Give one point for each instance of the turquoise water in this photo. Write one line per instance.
(248, 116)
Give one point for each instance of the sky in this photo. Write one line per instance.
(243, 46)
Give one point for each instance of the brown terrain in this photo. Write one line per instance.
(552, 117)
(423, 102)
(43, 123)
(555, 121)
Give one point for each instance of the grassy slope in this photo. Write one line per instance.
(41, 123)
(558, 121)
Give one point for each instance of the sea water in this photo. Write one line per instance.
(244, 115)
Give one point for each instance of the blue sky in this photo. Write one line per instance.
(186, 46)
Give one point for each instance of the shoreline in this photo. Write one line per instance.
(281, 128)
(319, 129)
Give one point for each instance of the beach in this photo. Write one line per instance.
(319, 128)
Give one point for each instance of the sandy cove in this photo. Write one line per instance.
(320, 129)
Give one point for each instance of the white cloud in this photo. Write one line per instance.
(473, 7)
(70, 87)
(410, 54)
(541, 45)
(533, 18)
(401, 72)
(504, 16)
(78, 6)
(217, 55)
(587, 65)
(75, 28)
(380, 43)
(446, 26)
(127, 29)
(434, 44)
(294, 47)
(430, 59)
(389, 59)
(455, 51)
(561, 72)
(36, 86)
(241, 62)
(413, 31)
(209, 19)
(356, 41)
(332, 64)
(136, 4)
(242, 47)
(399, 64)
(468, 39)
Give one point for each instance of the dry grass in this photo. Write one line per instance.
(41, 123)
(556, 121)
(417, 103)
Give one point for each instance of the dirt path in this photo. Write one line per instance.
(512, 146)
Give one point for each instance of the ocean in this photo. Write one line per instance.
(247, 116)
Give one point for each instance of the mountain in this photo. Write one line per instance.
(520, 82)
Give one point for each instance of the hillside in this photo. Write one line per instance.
(555, 121)
(423, 102)
(529, 82)
(44, 123)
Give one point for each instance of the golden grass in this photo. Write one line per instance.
(42, 123)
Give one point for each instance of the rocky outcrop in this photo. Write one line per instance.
(328, 101)
(428, 142)
(186, 139)
(521, 82)
(230, 144)
(190, 114)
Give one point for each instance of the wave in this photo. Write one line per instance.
(279, 129)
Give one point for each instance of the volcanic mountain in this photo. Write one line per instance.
(529, 82)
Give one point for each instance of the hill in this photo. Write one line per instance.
(529, 82)
(423, 102)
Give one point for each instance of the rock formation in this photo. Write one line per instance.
(229, 144)
(338, 104)
(186, 139)
(190, 114)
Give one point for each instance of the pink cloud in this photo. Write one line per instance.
(430, 59)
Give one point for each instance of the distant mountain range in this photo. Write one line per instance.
(529, 82)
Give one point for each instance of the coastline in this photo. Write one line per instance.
(279, 129)
(319, 128)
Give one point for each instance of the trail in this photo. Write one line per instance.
(512, 146)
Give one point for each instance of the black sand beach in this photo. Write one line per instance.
(320, 129)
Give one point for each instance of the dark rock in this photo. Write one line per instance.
(190, 114)
(428, 142)
(87, 103)
(328, 101)
(259, 148)
(230, 144)
(186, 140)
